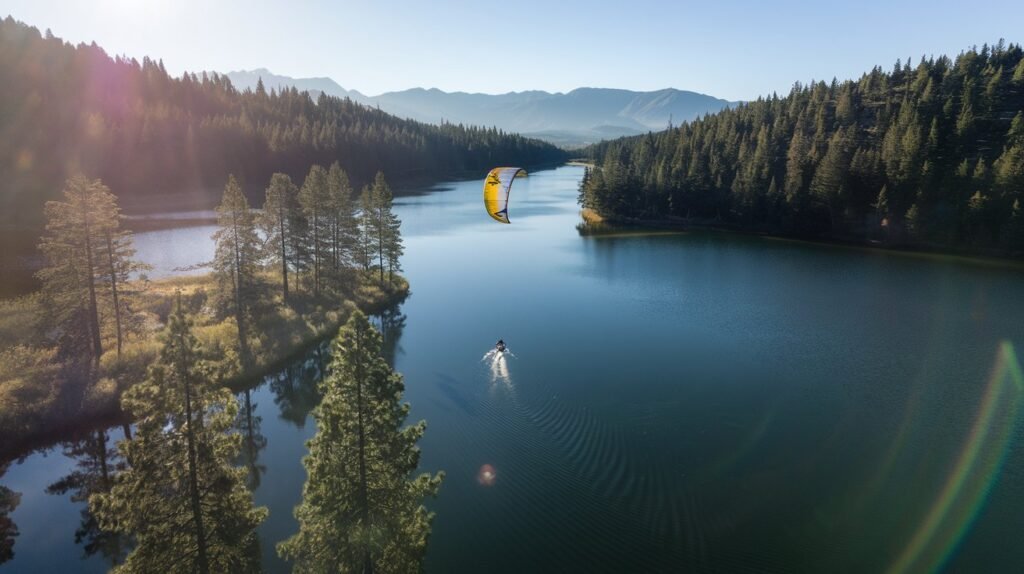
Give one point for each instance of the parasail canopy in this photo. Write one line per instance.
(496, 190)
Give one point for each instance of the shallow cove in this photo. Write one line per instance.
(675, 401)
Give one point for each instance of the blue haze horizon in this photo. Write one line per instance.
(733, 50)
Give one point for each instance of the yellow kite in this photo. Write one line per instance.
(496, 189)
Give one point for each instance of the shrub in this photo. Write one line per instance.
(136, 357)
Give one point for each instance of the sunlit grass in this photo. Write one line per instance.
(40, 392)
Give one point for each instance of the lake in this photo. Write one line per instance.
(674, 401)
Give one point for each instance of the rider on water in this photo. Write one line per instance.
(500, 346)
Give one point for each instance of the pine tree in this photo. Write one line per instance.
(179, 497)
(300, 247)
(89, 261)
(118, 266)
(394, 248)
(1015, 228)
(314, 197)
(361, 511)
(73, 280)
(581, 196)
(343, 225)
(882, 203)
(1018, 73)
(236, 262)
(277, 221)
(385, 225)
(830, 178)
(365, 252)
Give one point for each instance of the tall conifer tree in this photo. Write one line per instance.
(237, 261)
(186, 506)
(89, 261)
(315, 199)
(343, 225)
(277, 221)
(365, 243)
(361, 511)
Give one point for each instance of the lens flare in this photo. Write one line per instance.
(977, 467)
(487, 475)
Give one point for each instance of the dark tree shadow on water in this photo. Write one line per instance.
(253, 441)
(390, 323)
(9, 501)
(97, 463)
(295, 387)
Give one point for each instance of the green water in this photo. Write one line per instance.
(675, 402)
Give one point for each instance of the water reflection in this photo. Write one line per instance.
(295, 387)
(97, 461)
(390, 323)
(253, 441)
(9, 500)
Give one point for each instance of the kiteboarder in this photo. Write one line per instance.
(500, 346)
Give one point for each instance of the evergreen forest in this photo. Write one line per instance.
(930, 154)
(67, 110)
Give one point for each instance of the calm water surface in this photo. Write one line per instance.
(675, 401)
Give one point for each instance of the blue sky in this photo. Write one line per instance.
(734, 50)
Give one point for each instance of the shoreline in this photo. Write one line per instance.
(597, 226)
(22, 258)
(50, 428)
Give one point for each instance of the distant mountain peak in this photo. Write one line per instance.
(580, 116)
(247, 79)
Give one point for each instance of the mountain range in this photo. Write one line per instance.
(575, 118)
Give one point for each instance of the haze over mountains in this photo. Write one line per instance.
(579, 117)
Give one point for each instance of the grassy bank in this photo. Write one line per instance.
(44, 396)
(595, 225)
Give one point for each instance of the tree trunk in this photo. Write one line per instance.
(113, 290)
(284, 257)
(101, 444)
(243, 341)
(380, 244)
(193, 477)
(336, 244)
(250, 435)
(364, 501)
(94, 315)
(316, 254)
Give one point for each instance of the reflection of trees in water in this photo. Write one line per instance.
(295, 387)
(248, 425)
(390, 323)
(179, 496)
(8, 529)
(97, 462)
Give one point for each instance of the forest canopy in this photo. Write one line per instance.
(931, 154)
(67, 110)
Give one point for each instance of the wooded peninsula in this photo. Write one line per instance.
(930, 155)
